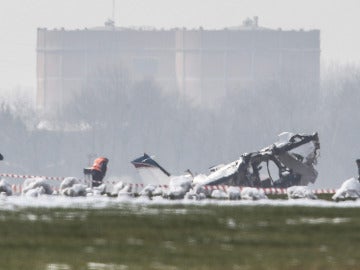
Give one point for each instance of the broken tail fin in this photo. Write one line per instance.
(150, 171)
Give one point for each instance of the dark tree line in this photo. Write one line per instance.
(125, 118)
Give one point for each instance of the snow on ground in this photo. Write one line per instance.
(179, 186)
(300, 192)
(250, 193)
(102, 202)
(37, 192)
(234, 193)
(71, 186)
(33, 187)
(349, 189)
(219, 194)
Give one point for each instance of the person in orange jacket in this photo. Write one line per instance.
(98, 170)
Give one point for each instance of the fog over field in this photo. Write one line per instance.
(123, 120)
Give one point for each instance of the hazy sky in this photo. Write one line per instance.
(338, 21)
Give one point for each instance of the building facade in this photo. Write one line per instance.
(203, 65)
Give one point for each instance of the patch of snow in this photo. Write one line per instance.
(234, 193)
(322, 220)
(68, 182)
(219, 194)
(349, 189)
(36, 186)
(300, 192)
(147, 191)
(103, 202)
(150, 191)
(195, 196)
(179, 186)
(116, 188)
(58, 266)
(73, 187)
(106, 266)
(197, 192)
(99, 189)
(35, 192)
(125, 192)
(250, 193)
(76, 190)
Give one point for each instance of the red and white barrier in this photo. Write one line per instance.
(19, 176)
(17, 188)
(271, 191)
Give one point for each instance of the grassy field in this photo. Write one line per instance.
(181, 237)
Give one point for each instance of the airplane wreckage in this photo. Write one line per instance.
(289, 162)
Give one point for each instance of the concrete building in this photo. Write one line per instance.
(202, 64)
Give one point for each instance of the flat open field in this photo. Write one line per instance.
(180, 237)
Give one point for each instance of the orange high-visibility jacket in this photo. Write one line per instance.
(99, 164)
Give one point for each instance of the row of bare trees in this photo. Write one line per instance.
(126, 118)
